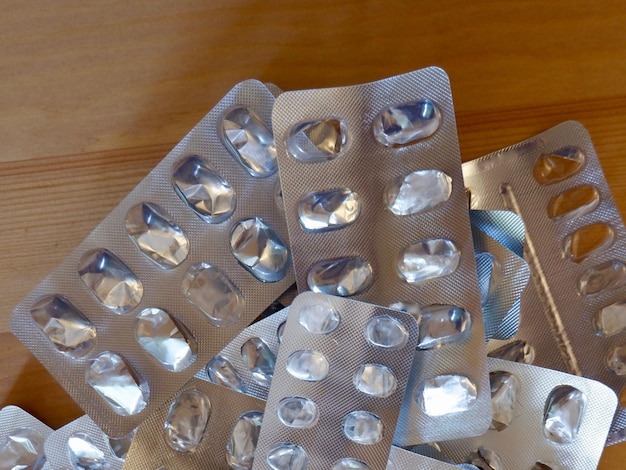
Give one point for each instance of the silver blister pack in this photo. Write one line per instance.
(189, 258)
(205, 426)
(82, 444)
(574, 318)
(376, 209)
(339, 381)
(247, 363)
(22, 438)
(502, 277)
(542, 419)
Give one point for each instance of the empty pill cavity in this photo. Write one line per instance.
(559, 165)
(417, 192)
(563, 413)
(259, 359)
(406, 123)
(297, 412)
(375, 380)
(516, 351)
(221, 372)
(605, 276)
(363, 427)
(328, 210)
(610, 320)
(343, 276)
(505, 388)
(587, 240)
(83, 453)
(286, 456)
(243, 439)
(319, 318)
(428, 259)
(65, 326)
(186, 420)
(573, 203)
(616, 360)
(442, 324)
(387, 332)
(317, 141)
(307, 365)
(446, 394)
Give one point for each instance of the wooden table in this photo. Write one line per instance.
(94, 94)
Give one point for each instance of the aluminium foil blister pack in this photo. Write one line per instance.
(542, 420)
(376, 209)
(189, 258)
(81, 444)
(339, 380)
(502, 277)
(22, 438)
(575, 316)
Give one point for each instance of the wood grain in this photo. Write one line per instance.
(94, 94)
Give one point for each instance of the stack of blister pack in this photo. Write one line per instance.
(449, 316)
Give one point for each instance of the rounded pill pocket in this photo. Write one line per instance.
(203, 190)
(155, 233)
(186, 420)
(21, 448)
(505, 388)
(386, 332)
(213, 294)
(375, 380)
(121, 387)
(516, 351)
(328, 210)
(83, 453)
(428, 259)
(259, 249)
(446, 394)
(563, 413)
(605, 276)
(342, 276)
(249, 140)
(221, 372)
(416, 192)
(610, 320)
(573, 203)
(317, 141)
(616, 360)
(559, 165)
(243, 439)
(297, 412)
(307, 365)
(259, 359)
(166, 339)
(287, 456)
(587, 241)
(109, 280)
(363, 427)
(350, 464)
(443, 324)
(69, 331)
(406, 123)
(319, 318)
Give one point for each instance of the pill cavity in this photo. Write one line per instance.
(485, 458)
(65, 326)
(406, 123)
(387, 332)
(343, 276)
(559, 165)
(605, 276)
(220, 371)
(166, 339)
(328, 210)
(203, 190)
(120, 445)
(563, 413)
(611, 319)
(616, 360)
(319, 318)
(375, 380)
(83, 453)
(21, 448)
(186, 421)
(428, 259)
(307, 365)
(446, 394)
(243, 439)
(442, 324)
(505, 388)
(297, 412)
(287, 457)
(317, 141)
(350, 464)
(416, 192)
(249, 140)
(259, 359)
(213, 294)
(573, 203)
(121, 387)
(586, 241)
(259, 249)
(363, 427)
(516, 351)
(110, 280)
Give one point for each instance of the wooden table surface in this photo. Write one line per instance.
(94, 94)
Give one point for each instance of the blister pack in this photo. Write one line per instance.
(22, 438)
(502, 277)
(376, 209)
(81, 444)
(575, 249)
(189, 258)
(542, 420)
(247, 363)
(339, 381)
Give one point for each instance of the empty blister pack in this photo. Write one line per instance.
(542, 420)
(81, 444)
(576, 250)
(22, 438)
(502, 277)
(339, 381)
(376, 209)
(189, 258)
(247, 363)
